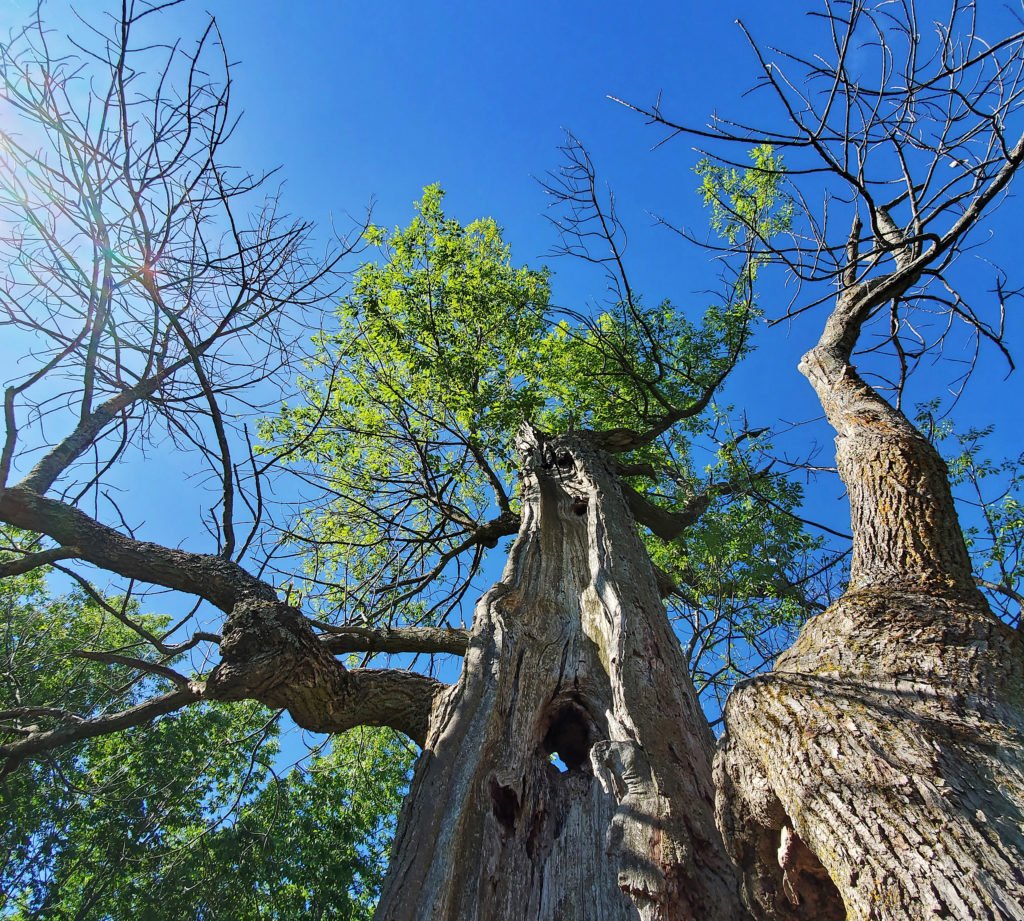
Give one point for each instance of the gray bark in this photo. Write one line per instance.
(888, 741)
(878, 771)
(571, 654)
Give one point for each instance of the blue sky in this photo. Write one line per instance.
(361, 102)
(369, 102)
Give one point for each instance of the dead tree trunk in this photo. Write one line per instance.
(878, 771)
(571, 655)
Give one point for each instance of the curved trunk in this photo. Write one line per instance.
(571, 656)
(878, 771)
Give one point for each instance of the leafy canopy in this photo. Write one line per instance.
(186, 817)
(408, 416)
(411, 404)
(445, 347)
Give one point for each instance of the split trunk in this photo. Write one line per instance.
(572, 658)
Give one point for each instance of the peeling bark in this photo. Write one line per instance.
(571, 655)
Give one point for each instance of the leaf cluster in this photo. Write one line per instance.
(440, 353)
(186, 817)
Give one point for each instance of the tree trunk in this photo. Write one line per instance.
(878, 771)
(571, 656)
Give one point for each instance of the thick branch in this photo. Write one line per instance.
(270, 654)
(219, 581)
(32, 561)
(666, 524)
(905, 528)
(341, 640)
(621, 440)
(57, 460)
(400, 699)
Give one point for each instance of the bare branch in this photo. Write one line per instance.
(41, 742)
(31, 561)
(219, 581)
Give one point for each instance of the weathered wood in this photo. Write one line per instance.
(571, 654)
(269, 653)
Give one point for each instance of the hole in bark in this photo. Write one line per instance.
(505, 804)
(806, 885)
(579, 507)
(564, 460)
(568, 739)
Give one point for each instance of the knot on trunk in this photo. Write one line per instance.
(266, 647)
(566, 456)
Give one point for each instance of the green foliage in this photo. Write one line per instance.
(446, 323)
(990, 501)
(750, 203)
(317, 843)
(183, 818)
(41, 634)
(445, 347)
(746, 569)
(412, 403)
(98, 830)
(634, 364)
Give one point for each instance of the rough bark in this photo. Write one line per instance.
(888, 743)
(269, 653)
(878, 771)
(221, 582)
(571, 654)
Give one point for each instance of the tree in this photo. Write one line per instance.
(158, 297)
(410, 421)
(568, 771)
(876, 771)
